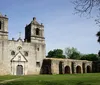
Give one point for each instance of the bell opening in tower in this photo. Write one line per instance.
(37, 31)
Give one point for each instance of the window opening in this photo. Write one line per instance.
(12, 52)
(38, 64)
(37, 31)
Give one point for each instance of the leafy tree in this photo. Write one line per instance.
(56, 53)
(72, 53)
(90, 57)
(98, 35)
(99, 53)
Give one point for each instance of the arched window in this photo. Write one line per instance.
(0, 24)
(37, 31)
(12, 52)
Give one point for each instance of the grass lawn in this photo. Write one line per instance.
(68, 79)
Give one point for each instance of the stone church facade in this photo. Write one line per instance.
(27, 57)
(18, 56)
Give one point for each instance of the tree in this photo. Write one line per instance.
(86, 6)
(90, 57)
(98, 35)
(99, 53)
(72, 53)
(56, 53)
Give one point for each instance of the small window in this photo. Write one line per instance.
(37, 64)
(0, 24)
(37, 31)
(38, 49)
(25, 53)
(12, 52)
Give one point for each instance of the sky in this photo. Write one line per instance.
(62, 27)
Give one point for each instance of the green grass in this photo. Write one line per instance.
(2, 78)
(70, 79)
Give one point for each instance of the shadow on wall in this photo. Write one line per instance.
(72, 66)
(46, 67)
(83, 65)
(96, 66)
(60, 67)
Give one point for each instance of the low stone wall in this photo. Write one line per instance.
(65, 66)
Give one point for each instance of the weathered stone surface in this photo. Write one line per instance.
(18, 56)
(65, 66)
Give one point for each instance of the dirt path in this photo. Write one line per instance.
(5, 81)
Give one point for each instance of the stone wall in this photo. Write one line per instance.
(67, 66)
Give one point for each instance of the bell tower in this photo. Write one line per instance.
(3, 27)
(34, 32)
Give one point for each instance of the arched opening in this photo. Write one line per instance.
(46, 70)
(19, 70)
(0, 24)
(67, 70)
(60, 68)
(78, 69)
(88, 69)
(37, 31)
(83, 65)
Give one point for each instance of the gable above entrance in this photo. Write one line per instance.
(19, 57)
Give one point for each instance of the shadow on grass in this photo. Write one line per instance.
(45, 83)
(82, 83)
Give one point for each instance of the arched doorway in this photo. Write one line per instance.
(47, 70)
(19, 70)
(60, 67)
(78, 69)
(67, 70)
(88, 69)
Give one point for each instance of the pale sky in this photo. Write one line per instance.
(62, 28)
